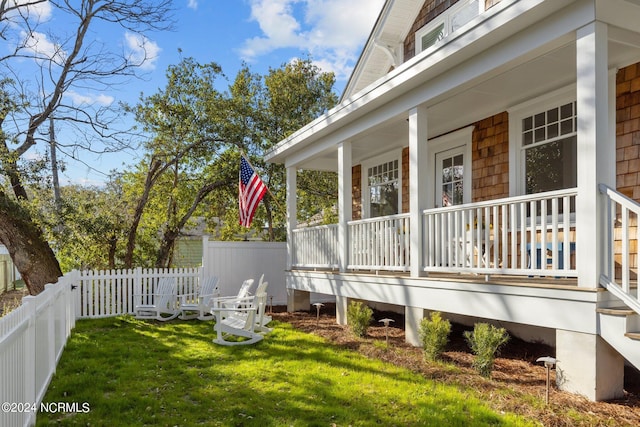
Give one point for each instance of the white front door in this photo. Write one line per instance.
(450, 177)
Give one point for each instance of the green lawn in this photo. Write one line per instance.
(134, 373)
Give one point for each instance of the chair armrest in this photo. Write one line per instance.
(233, 300)
(222, 313)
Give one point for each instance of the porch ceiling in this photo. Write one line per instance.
(491, 95)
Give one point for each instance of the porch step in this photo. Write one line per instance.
(633, 335)
(616, 311)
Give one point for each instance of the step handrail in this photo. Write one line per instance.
(621, 290)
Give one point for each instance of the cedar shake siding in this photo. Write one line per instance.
(405, 180)
(628, 154)
(628, 131)
(356, 192)
(490, 158)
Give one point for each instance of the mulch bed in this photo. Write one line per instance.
(515, 369)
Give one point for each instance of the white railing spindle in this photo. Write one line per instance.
(622, 235)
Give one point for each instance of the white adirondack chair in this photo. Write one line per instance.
(163, 304)
(199, 305)
(237, 322)
(262, 319)
(243, 317)
(237, 300)
(259, 301)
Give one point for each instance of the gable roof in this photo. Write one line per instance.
(384, 47)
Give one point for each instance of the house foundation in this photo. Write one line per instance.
(341, 309)
(412, 318)
(298, 300)
(588, 366)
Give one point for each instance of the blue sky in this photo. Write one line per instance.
(262, 33)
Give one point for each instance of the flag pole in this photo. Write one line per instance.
(268, 189)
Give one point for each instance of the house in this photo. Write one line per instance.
(488, 154)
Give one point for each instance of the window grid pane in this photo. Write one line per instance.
(549, 143)
(383, 189)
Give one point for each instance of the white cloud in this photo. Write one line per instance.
(331, 30)
(40, 45)
(79, 99)
(142, 51)
(192, 4)
(36, 12)
(278, 24)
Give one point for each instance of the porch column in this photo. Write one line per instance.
(595, 148)
(344, 202)
(292, 211)
(589, 366)
(417, 185)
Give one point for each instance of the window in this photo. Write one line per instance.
(383, 182)
(549, 149)
(447, 23)
(452, 180)
(543, 135)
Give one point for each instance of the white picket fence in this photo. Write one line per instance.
(117, 292)
(32, 338)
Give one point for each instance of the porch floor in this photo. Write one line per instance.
(570, 283)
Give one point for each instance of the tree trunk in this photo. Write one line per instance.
(170, 235)
(166, 248)
(113, 247)
(30, 252)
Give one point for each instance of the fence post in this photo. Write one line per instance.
(49, 290)
(29, 357)
(137, 288)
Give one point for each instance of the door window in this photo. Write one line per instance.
(450, 177)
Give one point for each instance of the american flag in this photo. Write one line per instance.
(251, 191)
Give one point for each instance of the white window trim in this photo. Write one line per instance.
(445, 18)
(516, 114)
(364, 179)
(458, 138)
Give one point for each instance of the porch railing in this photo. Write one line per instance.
(531, 235)
(315, 247)
(523, 235)
(380, 243)
(620, 269)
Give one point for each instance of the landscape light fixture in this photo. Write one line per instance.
(386, 327)
(549, 362)
(318, 305)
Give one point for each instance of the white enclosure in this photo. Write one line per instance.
(233, 262)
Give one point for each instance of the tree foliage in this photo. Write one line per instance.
(198, 134)
(194, 134)
(69, 60)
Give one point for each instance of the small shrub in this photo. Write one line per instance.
(485, 342)
(434, 335)
(358, 318)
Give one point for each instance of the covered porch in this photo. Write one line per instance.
(471, 157)
(488, 176)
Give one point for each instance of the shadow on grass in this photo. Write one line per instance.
(135, 373)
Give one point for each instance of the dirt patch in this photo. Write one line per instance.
(515, 369)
